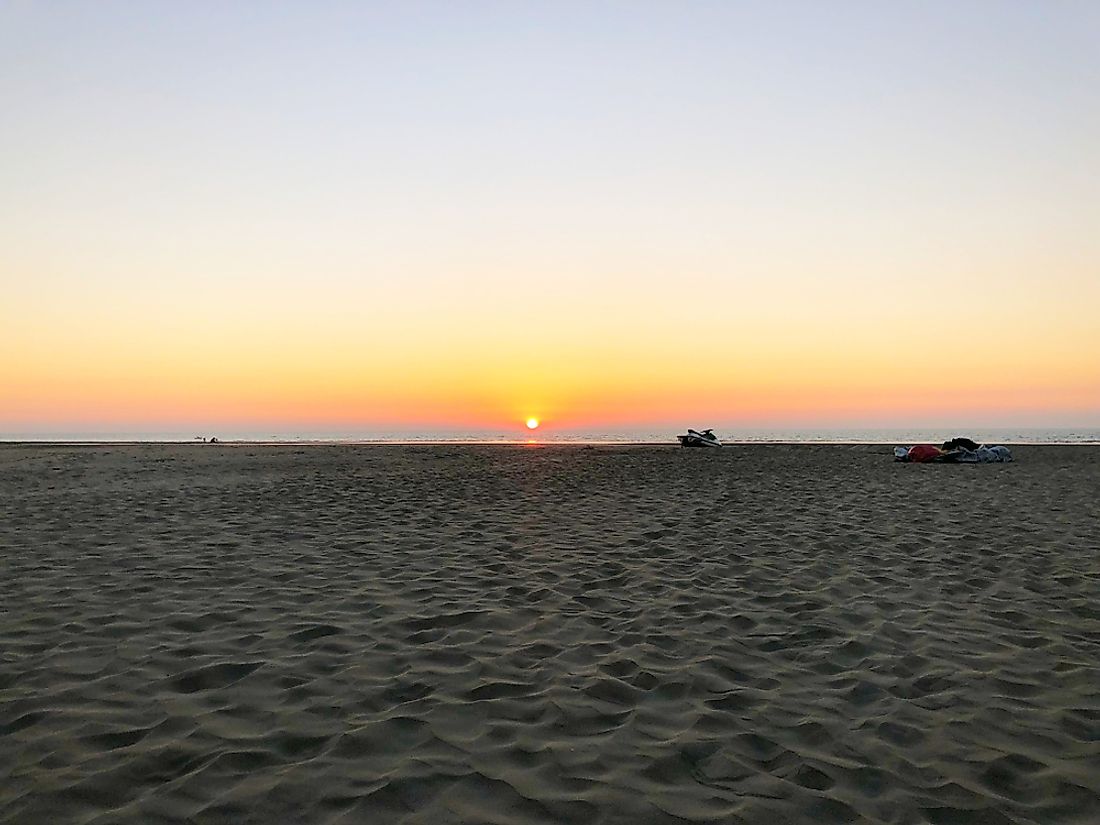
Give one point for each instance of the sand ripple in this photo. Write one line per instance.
(494, 635)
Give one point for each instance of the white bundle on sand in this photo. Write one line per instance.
(985, 455)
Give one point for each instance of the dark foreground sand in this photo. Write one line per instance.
(509, 635)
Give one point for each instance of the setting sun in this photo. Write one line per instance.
(532, 423)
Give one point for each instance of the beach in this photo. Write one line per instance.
(230, 633)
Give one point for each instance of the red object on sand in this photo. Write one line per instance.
(924, 452)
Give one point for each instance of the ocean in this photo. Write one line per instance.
(999, 435)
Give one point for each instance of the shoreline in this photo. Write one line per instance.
(514, 443)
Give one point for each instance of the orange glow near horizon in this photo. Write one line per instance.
(303, 362)
(137, 368)
(254, 395)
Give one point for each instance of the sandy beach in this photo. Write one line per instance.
(458, 634)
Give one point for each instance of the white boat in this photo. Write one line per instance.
(705, 438)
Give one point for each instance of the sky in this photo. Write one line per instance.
(328, 215)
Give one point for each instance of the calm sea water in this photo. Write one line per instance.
(549, 436)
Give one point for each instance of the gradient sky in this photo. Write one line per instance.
(352, 215)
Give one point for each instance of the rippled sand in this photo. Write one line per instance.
(509, 635)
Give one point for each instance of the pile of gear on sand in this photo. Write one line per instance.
(955, 451)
